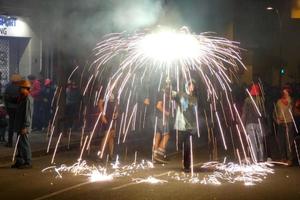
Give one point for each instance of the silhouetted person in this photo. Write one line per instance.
(186, 121)
(109, 109)
(47, 94)
(162, 134)
(252, 119)
(286, 133)
(37, 102)
(3, 122)
(11, 96)
(72, 104)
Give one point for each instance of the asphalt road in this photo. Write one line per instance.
(38, 185)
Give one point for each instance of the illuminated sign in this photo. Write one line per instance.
(5, 23)
(8, 21)
(14, 27)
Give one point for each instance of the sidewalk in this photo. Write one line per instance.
(39, 143)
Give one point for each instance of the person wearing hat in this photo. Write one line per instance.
(252, 117)
(23, 123)
(11, 95)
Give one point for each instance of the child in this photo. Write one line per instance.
(3, 122)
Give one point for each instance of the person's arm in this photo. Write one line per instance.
(36, 89)
(160, 107)
(28, 117)
(101, 109)
(244, 111)
(116, 112)
(277, 113)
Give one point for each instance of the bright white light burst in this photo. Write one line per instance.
(169, 46)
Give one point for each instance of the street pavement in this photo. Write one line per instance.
(38, 185)
(39, 143)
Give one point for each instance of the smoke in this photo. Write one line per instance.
(133, 14)
(82, 24)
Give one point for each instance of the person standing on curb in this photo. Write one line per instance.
(23, 123)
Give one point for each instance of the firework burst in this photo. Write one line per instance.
(124, 64)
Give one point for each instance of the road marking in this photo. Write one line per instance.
(135, 183)
(63, 190)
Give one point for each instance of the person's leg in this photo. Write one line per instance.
(107, 142)
(156, 141)
(111, 143)
(290, 142)
(260, 141)
(164, 140)
(68, 117)
(27, 150)
(157, 155)
(159, 152)
(24, 157)
(2, 134)
(104, 142)
(282, 141)
(268, 138)
(187, 151)
(163, 144)
(250, 128)
(11, 121)
(20, 153)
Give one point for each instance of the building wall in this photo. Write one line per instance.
(25, 45)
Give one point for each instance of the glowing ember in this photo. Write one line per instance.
(97, 176)
(248, 174)
(98, 173)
